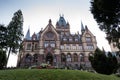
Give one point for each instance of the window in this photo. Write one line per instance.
(52, 43)
(89, 47)
(69, 59)
(74, 46)
(63, 57)
(34, 38)
(88, 39)
(28, 46)
(64, 39)
(70, 39)
(67, 46)
(81, 57)
(62, 46)
(80, 47)
(75, 58)
(76, 39)
(46, 44)
(67, 33)
(50, 34)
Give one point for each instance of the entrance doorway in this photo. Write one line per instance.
(49, 58)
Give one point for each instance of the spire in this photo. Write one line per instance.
(82, 27)
(50, 21)
(62, 21)
(27, 37)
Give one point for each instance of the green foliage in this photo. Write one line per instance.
(2, 59)
(15, 32)
(103, 63)
(107, 15)
(3, 36)
(52, 74)
(3, 45)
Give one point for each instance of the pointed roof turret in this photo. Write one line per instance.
(82, 27)
(62, 21)
(27, 37)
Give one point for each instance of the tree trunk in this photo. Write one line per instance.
(8, 56)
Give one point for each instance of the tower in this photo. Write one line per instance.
(62, 26)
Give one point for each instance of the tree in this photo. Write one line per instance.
(103, 63)
(3, 45)
(3, 36)
(2, 59)
(15, 33)
(107, 15)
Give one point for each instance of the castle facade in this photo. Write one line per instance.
(58, 47)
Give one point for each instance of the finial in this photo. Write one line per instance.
(62, 15)
(50, 21)
(86, 28)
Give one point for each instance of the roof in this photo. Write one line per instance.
(27, 37)
(61, 21)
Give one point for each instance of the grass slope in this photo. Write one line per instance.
(51, 74)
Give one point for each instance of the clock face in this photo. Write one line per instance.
(50, 35)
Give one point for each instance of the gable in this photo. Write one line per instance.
(49, 33)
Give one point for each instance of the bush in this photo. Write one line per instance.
(102, 63)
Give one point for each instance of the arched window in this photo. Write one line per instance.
(35, 58)
(69, 58)
(63, 57)
(75, 58)
(28, 59)
(81, 57)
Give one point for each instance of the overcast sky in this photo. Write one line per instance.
(36, 14)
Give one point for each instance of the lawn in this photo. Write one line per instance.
(52, 74)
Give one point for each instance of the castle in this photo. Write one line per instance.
(57, 46)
